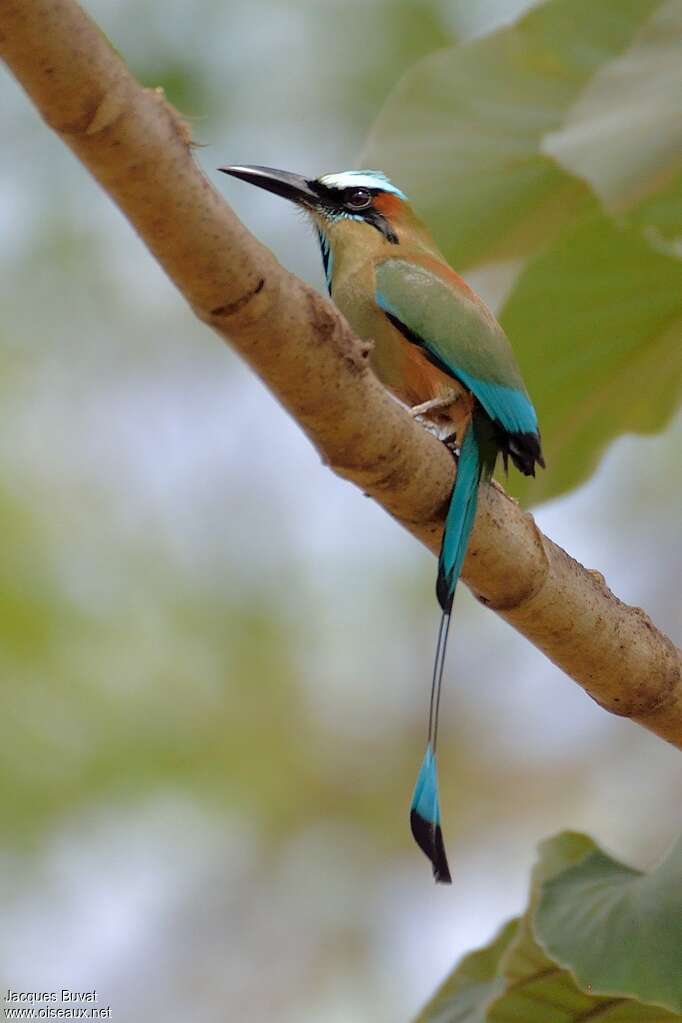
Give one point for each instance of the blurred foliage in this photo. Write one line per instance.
(598, 323)
(556, 143)
(597, 939)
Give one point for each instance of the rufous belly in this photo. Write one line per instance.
(414, 379)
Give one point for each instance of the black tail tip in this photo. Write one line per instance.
(429, 838)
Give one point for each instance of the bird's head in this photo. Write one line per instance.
(350, 197)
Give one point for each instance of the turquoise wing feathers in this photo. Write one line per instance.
(460, 335)
(435, 309)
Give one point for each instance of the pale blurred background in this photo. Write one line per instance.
(215, 655)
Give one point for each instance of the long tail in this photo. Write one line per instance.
(476, 459)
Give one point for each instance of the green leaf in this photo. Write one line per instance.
(470, 987)
(557, 853)
(597, 327)
(517, 980)
(535, 988)
(624, 132)
(463, 130)
(618, 930)
(557, 143)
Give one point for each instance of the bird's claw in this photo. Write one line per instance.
(434, 403)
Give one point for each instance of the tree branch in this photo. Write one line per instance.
(138, 149)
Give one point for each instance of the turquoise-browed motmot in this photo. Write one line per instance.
(437, 348)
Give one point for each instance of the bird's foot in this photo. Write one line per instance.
(445, 401)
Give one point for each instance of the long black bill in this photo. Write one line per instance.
(294, 187)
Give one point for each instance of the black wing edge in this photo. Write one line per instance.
(523, 448)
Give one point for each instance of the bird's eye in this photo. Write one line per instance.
(358, 198)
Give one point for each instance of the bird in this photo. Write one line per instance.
(439, 350)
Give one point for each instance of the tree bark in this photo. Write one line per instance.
(139, 150)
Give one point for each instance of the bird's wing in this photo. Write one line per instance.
(434, 308)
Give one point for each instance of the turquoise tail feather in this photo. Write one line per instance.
(478, 452)
(460, 518)
(425, 817)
